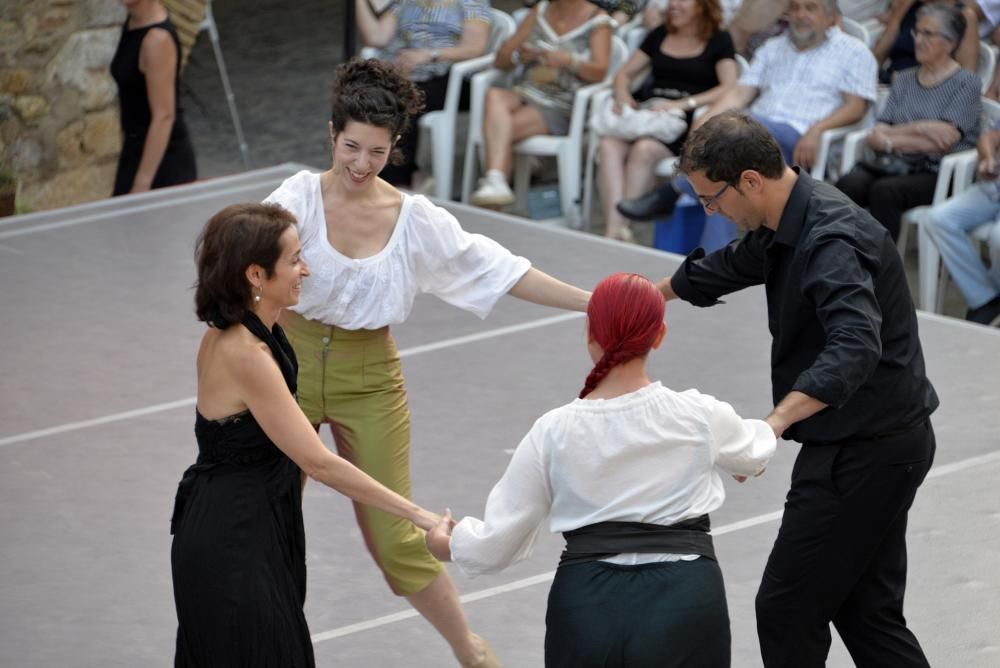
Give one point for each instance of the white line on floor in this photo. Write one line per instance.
(542, 578)
(190, 401)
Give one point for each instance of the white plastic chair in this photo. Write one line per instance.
(855, 29)
(987, 64)
(930, 259)
(833, 135)
(567, 150)
(875, 28)
(439, 127)
(633, 34)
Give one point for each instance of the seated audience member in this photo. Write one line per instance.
(932, 110)
(895, 49)
(562, 45)
(654, 12)
(423, 38)
(753, 18)
(808, 79)
(691, 64)
(949, 224)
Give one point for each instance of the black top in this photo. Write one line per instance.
(676, 78)
(178, 162)
(839, 310)
(135, 112)
(238, 557)
(902, 53)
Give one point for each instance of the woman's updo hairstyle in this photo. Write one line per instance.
(235, 238)
(374, 92)
(624, 317)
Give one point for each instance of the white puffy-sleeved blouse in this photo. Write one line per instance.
(427, 252)
(650, 456)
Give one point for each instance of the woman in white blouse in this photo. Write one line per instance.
(629, 473)
(371, 250)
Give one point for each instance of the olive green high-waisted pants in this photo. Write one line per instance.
(352, 380)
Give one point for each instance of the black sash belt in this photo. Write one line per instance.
(607, 539)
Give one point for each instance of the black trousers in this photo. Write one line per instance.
(840, 554)
(660, 615)
(887, 197)
(434, 93)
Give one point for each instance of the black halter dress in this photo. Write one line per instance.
(238, 556)
(178, 163)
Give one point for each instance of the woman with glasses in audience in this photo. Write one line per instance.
(560, 46)
(691, 62)
(932, 110)
(895, 48)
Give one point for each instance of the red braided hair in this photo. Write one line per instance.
(624, 317)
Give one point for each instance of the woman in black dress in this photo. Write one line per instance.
(238, 556)
(691, 63)
(156, 149)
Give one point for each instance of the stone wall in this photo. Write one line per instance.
(58, 104)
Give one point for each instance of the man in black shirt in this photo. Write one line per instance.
(848, 381)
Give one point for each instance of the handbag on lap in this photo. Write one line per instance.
(631, 123)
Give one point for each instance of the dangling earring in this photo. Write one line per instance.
(256, 297)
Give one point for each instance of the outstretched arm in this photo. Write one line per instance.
(538, 287)
(273, 406)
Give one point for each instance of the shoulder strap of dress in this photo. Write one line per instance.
(281, 349)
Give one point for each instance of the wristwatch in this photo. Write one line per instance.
(434, 55)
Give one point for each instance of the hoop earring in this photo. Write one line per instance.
(256, 297)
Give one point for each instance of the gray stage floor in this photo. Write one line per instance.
(97, 385)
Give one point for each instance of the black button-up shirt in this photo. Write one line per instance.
(839, 309)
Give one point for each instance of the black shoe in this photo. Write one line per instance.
(987, 314)
(658, 203)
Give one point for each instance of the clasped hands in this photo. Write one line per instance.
(778, 426)
(552, 58)
(438, 537)
(408, 59)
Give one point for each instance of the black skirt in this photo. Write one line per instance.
(657, 615)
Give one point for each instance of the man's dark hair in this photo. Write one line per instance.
(729, 144)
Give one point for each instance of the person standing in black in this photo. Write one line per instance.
(848, 381)
(156, 147)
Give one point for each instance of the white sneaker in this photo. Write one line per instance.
(493, 190)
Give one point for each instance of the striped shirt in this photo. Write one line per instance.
(432, 24)
(955, 100)
(802, 87)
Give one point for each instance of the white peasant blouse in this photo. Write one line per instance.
(650, 456)
(427, 252)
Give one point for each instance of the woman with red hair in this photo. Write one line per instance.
(628, 472)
